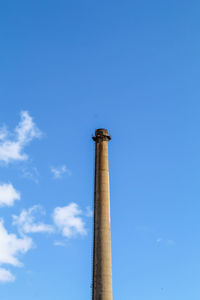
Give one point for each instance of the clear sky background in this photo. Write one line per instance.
(66, 68)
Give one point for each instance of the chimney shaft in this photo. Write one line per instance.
(102, 266)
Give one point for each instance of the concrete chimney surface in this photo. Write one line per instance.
(102, 265)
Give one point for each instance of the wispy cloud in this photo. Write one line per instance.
(3, 132)
(6, 276)
(69, 221)
(165, 241)
(144, 229)
(31, 173)
(26, 221)
(58, 172)
(59, 243)
(159, 240)
(89, 212)
(10, 247)
(170, 242)
(12, 143)
(8, 194)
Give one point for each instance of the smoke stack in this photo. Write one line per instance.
(102, 265)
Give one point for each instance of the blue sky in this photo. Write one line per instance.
(66, 68)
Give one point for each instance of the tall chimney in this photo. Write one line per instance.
(102, 265)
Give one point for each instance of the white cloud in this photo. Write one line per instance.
(68, 220)
(6, 276)
(11, 246)
(26, 221)
(8, 195)
(60, 171)
(12, 144)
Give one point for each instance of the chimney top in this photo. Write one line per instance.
(101, 134)
(101, 131)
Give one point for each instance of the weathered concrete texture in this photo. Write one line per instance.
(102, 266)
